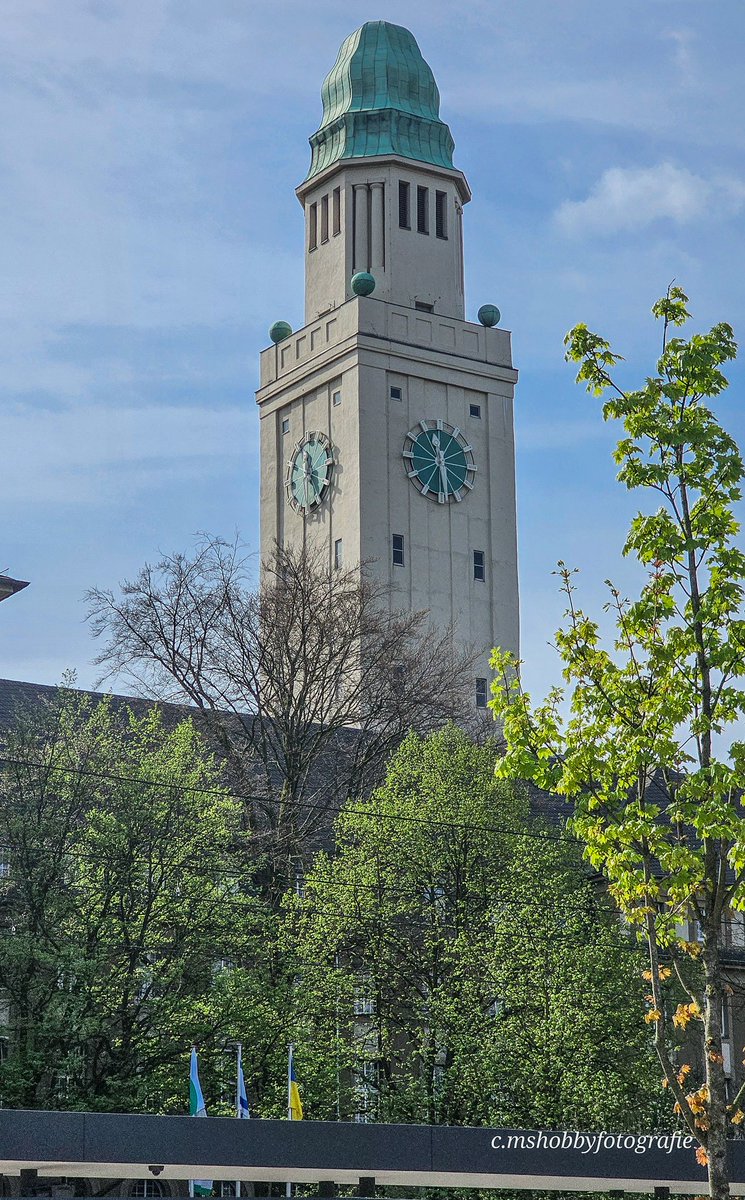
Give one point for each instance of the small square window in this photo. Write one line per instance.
(338, 554)
(423, 307)
(475, 410)
(396, 393)
(397, 549)
(481, 693)
(285, 424)
(479, 565)
(336, 399)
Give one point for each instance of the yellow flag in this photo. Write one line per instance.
(294, 1103)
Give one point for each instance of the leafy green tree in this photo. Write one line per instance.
(117, 908)
(455, 964)
(642, 742)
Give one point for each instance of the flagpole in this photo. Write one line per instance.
(238, 1101)
(191, 1181)
(288, 1186)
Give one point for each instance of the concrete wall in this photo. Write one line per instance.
(442, 366)
(408, 266)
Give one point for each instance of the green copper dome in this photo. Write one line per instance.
(380, 97)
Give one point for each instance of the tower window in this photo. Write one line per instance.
(336, 399)
(285, 425)
(479, 565)
(397, 549)
(336, 210)
(396, 393)
(423, 306)
(481, 693)
(404, 210)
(312, 227)
(324, 218)
(338, 554)
(475, 410)
(441, 214)
(422, 209)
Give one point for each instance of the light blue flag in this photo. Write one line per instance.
(199, 1187)
(196, 1099)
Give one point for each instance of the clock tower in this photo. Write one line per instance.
(387, 420)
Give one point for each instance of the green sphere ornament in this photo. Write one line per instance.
(363, 283)
(489, 315)
(279, 331)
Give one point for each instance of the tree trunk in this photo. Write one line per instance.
(716, 1141)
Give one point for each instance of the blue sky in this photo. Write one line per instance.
(150, 234)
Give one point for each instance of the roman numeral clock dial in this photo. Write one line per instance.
(309, 471)
(439, 461)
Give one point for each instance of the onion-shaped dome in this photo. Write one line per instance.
(380, 97)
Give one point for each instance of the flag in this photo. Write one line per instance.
(199, 1187)
(196, 1099)
(294, 1103)
(241, 1102)
(241, 1099)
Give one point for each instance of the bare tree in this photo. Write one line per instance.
(308, 682)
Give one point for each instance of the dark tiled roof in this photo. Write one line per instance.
(15, 696)
(547, 806)
(327, 777)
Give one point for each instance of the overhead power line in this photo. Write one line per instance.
(329, 810)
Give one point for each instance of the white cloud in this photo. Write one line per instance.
(86, 453)
(682, 40)
(630, 198)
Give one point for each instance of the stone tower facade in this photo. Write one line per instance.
(387, 420)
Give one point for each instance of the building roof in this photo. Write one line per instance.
(326, 780)
(9, 587)
(380, 97)
(17, 696)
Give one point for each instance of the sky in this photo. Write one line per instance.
(150, 235)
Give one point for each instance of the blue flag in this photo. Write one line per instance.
(241, 1099)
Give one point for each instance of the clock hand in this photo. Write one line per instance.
(443, 472)
(306, 478)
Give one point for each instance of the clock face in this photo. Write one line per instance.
(309, 472)
(439, 461)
